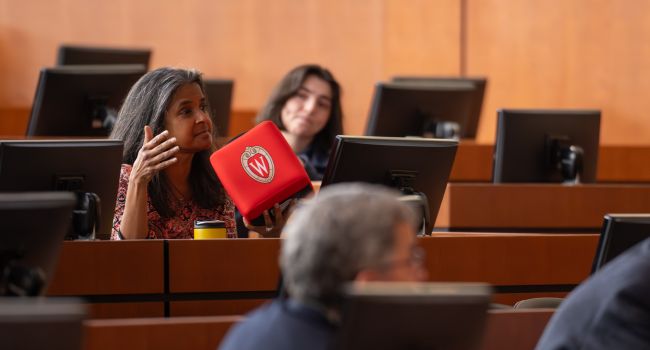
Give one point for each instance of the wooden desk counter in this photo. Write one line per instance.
(157, 333)
(519, 266)
(514, 329)
(234, 275)
(473, 162)
(616, 163)
(524, 207)
(504, 329)
(119, 279)
(623, 164)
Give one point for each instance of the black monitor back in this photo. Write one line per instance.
(33, 227)
(89, 55)
(396, 316)
(379, 159)
(521, 150)
(218, 92)
(80, 100)
(619, 233)
(408, 105)
(40, 323)
(70, 165)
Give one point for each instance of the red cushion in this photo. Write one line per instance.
(259, 169)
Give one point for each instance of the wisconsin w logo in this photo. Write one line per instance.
(258, 164)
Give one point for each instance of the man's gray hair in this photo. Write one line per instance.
(329, 239)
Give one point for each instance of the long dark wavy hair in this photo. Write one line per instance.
(289, 86)
(147, 104)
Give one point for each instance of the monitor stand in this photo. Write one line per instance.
(403, 180)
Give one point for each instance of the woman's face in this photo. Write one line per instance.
(187, 119)
(306, 113)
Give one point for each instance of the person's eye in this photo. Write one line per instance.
(302, 95)
(324, 104)
(185, 111)
(204, 107)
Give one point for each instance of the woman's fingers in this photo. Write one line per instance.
(159, 148)
(153, 153)
(162, 165)
(277, 212)
(155, 141)
(148, 134)
(156, 154)
(165, 155)
(268, 222)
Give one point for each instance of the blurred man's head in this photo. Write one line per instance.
(349, 232)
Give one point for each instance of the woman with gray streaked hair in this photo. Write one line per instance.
(166, 181)
(348, 232)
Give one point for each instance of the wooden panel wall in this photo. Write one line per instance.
(253, 41)
(565, 54)
(576, 53)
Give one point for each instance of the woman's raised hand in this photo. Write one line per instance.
(156, 154)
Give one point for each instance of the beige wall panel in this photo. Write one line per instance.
(421, 37)
(564, 54)
(254, 42)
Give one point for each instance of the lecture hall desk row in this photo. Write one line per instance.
(157, 278)
(537, 207)
(505, 329)
(616, 163)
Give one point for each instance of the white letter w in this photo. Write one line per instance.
(259, 166)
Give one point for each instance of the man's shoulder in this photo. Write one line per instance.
(609, 310)
(277, 325)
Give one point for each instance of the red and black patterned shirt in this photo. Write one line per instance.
(179, 226)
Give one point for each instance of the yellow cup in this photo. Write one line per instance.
(209, 229)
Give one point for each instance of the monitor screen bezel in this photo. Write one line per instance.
(413, 315)
(34, 225)
(54, 114)
(512, 160)
(617, 224)
(101, 172)
(343, 168)
(94, 55)
(470, 91)
(218, 93)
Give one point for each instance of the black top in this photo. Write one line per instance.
(282, 324)
(315, 162)
(611, 310)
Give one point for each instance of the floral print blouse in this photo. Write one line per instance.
(179, 226)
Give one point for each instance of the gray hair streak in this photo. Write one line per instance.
(345, 228)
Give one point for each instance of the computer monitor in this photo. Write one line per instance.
(392, 316)
(80, 100)
(41, 323)
(414, 166)
(33, 227)
(620, 232)
(430, 107)
(218, 92)
(546, 146)
(89, 168)
(83, 55)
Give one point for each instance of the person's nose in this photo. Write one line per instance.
(309, 105)
(202, 117)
